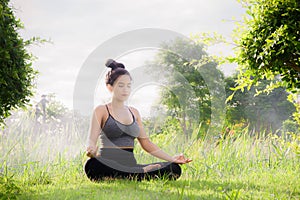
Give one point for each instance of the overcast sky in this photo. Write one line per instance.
(78, 27)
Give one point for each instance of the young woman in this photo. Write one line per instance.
(115, 126)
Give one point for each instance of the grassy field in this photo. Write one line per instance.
(50, 166)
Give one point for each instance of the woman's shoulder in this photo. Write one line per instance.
(133, 108)
(100, 109)
(135, 111)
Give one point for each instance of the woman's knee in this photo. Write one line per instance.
(176, 169)
(92, 169)
(171, 170)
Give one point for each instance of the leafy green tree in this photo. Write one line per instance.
(268, 43)
(55, 109)
(263, 112)
(16, 72)
(188, 97)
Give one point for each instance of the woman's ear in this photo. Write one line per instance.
(109, 87)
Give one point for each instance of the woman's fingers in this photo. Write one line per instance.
(91, 151)
(180, 159)
(89, 154)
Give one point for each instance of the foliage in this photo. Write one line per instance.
(188, 69)
(295, 99)
(55, 109)
(51, 113)
(268, 43)
(263, 112)
(290, 126)
(16, 72)
(61, 130)
(9, 188)
(267, 48)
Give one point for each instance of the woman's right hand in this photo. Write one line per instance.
(91, 151)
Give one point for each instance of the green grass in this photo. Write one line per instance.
(262, 184)
(50, 166)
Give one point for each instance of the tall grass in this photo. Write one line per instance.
(33, 153)
(41, 163)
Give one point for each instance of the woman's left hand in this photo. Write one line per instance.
(180, 159)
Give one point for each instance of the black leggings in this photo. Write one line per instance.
(119, 163)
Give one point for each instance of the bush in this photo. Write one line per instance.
(290, 126)
(16, 72)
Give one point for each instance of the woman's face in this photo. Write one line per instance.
(122, 88)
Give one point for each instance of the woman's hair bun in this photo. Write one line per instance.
(117, 69)
(110, 63)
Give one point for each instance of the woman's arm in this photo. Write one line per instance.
(152, 148)
(94, 131)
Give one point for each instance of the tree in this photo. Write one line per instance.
(263, 112)
(16, 72)
(268, 43)
(188, 97)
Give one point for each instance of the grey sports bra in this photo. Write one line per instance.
(114, 133)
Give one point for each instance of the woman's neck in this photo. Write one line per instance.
(117, 104)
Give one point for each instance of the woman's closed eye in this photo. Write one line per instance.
(121, 85)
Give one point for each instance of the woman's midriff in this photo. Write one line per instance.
(114, 147)
(120, 155)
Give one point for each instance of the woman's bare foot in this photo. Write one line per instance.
(151, 167)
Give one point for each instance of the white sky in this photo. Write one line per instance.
(77, 27)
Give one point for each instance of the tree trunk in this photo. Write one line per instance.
(258, 122)
(183, 124)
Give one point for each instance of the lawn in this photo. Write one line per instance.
(239, 168)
